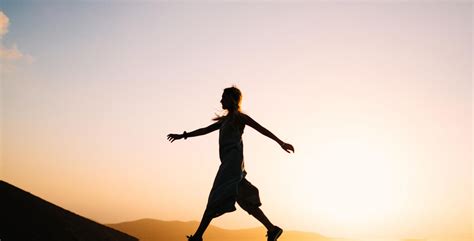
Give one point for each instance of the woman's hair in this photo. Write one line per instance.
(235, 96)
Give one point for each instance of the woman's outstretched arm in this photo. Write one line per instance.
(249, 121)
(198, 132)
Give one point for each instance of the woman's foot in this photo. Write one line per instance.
(272, 235)
(193, 238)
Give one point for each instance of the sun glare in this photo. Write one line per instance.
(352, 181)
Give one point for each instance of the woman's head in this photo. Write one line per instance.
(231, 99)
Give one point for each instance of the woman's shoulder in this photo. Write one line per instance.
(243, 117)
(236, 117)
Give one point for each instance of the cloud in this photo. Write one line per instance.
(10, 56)
(4, 22)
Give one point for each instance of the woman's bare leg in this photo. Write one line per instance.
(260, 216)
(205, 221)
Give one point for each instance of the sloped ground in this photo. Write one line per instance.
(25, 217)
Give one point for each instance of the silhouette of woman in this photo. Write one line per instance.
(230, 185)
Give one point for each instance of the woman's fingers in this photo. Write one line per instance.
(292, 148)
(171, 137)
(288, 147)
(174, 137)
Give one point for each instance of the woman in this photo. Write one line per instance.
(230, 185)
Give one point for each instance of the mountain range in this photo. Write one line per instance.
(157, 230)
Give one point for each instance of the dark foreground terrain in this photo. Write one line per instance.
(25, 217)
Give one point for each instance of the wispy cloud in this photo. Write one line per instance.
(4, 22)
(10, 56)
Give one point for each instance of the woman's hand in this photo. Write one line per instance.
(287, 147)
(173, 137)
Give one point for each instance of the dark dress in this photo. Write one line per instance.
(230, 185)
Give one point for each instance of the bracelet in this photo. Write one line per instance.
(185, 135)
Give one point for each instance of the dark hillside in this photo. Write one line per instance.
(25, 217)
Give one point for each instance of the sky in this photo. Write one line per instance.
(376, 98)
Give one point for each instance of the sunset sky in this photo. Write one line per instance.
(376, 98)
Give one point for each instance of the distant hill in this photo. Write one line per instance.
(156, 230)
(25, 217)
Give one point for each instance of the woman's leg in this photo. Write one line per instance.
(273, 232)
(260, 216)
(255, 212)
(249, 200)
(205, 221)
